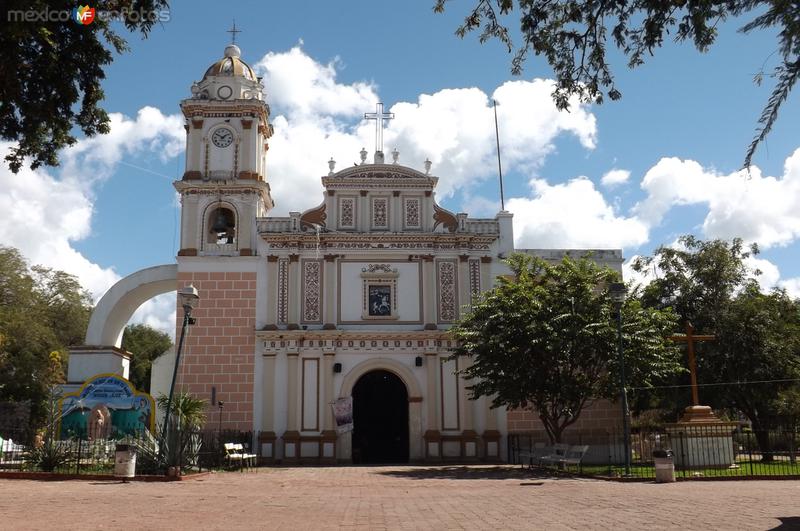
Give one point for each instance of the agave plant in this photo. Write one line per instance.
(181, 442)
(48, 453)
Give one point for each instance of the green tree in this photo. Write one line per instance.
(42, 312)
(546, 339)
(51, 72)
(574, 37)
(757, 335)
(758, 340)
(145, 344)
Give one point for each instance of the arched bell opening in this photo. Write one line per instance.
(221, 223)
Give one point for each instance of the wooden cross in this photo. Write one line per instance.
(233, 31)
(689, 337)
(379, 116)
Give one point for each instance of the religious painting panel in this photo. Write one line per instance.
(379, 296)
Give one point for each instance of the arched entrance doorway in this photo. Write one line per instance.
(380, 419)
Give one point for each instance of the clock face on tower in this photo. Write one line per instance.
(222, 137)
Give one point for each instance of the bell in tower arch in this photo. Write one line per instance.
(223, 227)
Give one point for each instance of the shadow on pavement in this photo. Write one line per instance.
(788, 522)
(465, 472)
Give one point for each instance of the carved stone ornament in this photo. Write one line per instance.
(312, 217)
(378, 268)
(445, 218)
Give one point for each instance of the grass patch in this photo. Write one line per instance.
(742, 469)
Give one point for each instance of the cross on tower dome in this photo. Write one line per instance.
(233, 31)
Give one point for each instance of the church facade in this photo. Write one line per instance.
(352, 297)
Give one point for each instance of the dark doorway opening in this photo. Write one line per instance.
(380, 419)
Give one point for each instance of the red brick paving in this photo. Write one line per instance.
(397, 498)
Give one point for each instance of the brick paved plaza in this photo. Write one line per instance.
(397, 497)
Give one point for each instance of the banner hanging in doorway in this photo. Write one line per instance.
(343, 413)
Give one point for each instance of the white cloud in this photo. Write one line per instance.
(792, 286)
(159, 313)
(573, 214)
(638, 278)
(615, 177)
(757, 208)
(318, 117)
(296, 82)
(45, 211)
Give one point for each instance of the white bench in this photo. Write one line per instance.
(564, 456)
(535, 454)
(235, 454)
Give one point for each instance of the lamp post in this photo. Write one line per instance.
(188, 299)
(220, 403)
(617, 292)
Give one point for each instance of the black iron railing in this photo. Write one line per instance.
(704, 451)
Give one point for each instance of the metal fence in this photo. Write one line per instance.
(698, 452)
(80, 455)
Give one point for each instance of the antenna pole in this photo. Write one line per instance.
(499, 166)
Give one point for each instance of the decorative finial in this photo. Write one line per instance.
(427, 166)
(331, 166)
(395, 155)
(363, 154)
(233, 31)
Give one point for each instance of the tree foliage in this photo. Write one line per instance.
(757, 334)
(42, 312)
(546, 339)
(145, 345)
(574, 37)
(51, 73)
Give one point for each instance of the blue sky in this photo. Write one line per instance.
(675, 139)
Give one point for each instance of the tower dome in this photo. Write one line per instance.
(231, 65)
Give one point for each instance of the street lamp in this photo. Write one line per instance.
(617, 292)
(188, 299)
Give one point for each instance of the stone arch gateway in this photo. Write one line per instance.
(116, 307)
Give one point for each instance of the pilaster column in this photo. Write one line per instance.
(469, 438)
(330, 396)
(364, 219)
(487, 282)
(463, 284)
(267, 436)
(396, 211)
(291, 439)
(491, 436)
(429, 292)
(272, 292)
(295, 291)
(329, 435)
(432, 436)
(329, 304)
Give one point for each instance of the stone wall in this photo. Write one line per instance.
(592, 427)
(219, 349)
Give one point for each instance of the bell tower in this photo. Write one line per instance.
(224, 188)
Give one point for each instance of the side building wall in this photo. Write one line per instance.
(599, 426)
(219, 350)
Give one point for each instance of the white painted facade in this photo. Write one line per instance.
(296, 310)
